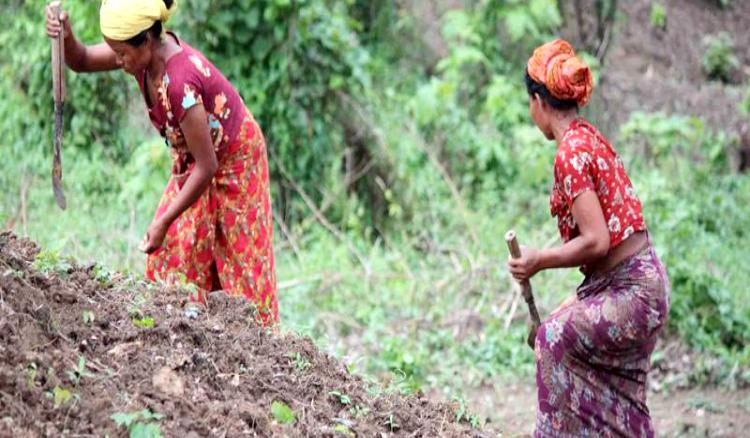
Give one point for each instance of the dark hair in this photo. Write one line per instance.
(533, 87)
(155, 30)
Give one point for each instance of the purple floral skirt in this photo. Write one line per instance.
(593, 353)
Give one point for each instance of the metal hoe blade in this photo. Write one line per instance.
(56, 160)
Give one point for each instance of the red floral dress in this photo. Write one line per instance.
(586, 161)
(225, 239)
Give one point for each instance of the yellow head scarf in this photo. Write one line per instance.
(121, 20)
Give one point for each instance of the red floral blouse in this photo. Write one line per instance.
(586, 161)
(190, 79)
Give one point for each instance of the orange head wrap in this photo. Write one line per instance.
(556, 66)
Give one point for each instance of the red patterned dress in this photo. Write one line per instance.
(224, 241)
(593, 354)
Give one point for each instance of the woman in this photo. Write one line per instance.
(593, 353)
(213, 226)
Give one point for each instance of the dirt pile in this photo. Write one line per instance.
(82, 350)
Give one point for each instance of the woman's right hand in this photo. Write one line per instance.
(80, 58)
(55, 25)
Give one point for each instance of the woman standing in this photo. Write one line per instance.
(214, 225)
(593, 353)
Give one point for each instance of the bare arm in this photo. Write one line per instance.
(590, 245)
(79, 57)
(198, 138)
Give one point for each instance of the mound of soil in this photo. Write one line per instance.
(78, 346)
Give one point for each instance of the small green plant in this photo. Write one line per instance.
(343, 398)
(391, 423)
(343, 429)
(140, 424)
(102, 274)
(88, 317)
(282, 413)
(475, 421)
(462, 413)
(358, 411)
(299, 361)
(745, 104)
(146, 322)
(51, 261)
(61, 396)
(719, 60)
(461, 408)
(75, 375)
(403, 383)
(14, 273)
(31, 372)
(658, 16)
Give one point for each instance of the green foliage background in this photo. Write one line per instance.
(418, 166)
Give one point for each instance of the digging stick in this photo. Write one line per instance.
(58, 85)
(528, 296)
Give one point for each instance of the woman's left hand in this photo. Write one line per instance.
(526, 266)
(154, 236)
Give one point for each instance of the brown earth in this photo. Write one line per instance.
(683, 413)
(71, 331)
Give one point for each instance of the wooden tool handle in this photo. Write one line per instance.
(528, 295)
(58, 57)
(515, 250)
